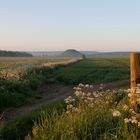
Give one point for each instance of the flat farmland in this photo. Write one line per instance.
(94, 70)
(11, 62)
(11, 67)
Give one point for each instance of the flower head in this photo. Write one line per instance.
(116, 113)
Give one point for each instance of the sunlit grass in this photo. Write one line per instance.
(101, 115)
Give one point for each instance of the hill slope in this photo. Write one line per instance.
(71, 53)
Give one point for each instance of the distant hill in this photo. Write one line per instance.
(71, 53)
(4, 53)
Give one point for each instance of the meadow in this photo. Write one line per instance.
(11, 67)
(20, 77)
(97, 70)
(87, 71)
(91, 71)
(100, 115)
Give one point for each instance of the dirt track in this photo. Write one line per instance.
(58, 92)
(48, 94)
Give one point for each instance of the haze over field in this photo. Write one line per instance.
(53, 25)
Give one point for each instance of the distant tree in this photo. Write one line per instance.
(83, 56)
(14, 54)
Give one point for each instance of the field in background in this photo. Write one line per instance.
(21, 64)
(94, 70)
(6, 62)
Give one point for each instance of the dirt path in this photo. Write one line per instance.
(47, 94)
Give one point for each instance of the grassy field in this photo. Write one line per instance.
(19, 80)
(14, 66)
(8, 62)
(17, 92)
(94, 71)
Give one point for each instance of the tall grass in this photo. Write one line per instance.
(90, 116)
(22, 125)
(15, 92)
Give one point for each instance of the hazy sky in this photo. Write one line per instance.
(47, 25)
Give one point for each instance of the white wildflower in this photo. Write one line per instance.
(116, 113)
(126, 120)
(89, 94)
(134, 121)
(87, 86)
(138, 124)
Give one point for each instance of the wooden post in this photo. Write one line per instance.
(133, 69)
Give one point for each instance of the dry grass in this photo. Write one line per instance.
(11, 67)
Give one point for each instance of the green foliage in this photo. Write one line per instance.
(71, 53)
(14, 54)
(21, 126)
(12, 93)
(19, 92)
(92, 123)
(118, 96)
(15, 92)
(92, 71)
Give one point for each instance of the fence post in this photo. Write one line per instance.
(133, 69)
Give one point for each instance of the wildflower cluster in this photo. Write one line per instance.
(85, 97)
(133, 120)
(116, 113)
(10, 74)
(71, 105)
(97, 105)
(134, 95)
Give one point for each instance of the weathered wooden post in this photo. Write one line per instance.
(133, 69)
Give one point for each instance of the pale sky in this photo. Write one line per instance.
(56, 25)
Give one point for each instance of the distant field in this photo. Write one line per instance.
(12, 66)
(11, 62)
(94, 70)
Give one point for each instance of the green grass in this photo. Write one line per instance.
(92, 71)
(15, 93)
(52, 122)
(22, 125)
(95, 123)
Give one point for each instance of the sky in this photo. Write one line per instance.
(56, 25)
